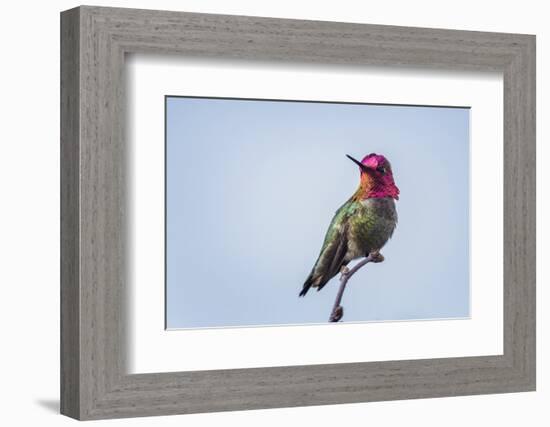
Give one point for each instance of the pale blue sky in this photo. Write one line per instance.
(253, 185)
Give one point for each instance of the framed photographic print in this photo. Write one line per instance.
(262, 213)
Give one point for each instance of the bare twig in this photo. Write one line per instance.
(337, 310)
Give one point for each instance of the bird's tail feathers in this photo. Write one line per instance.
(305, 288)
(316, 281)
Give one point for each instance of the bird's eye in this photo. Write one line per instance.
(381, 169)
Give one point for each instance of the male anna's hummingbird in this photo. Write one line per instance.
(362, 225)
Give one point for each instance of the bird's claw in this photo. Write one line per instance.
(376, 257)
(344, 271)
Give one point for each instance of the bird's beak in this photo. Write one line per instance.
(361, 165)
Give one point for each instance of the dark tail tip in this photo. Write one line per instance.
(307, 285)
(304, 290)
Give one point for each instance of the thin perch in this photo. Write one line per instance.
(337, 310)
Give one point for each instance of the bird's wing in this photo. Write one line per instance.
(333, 252)
(332, 255)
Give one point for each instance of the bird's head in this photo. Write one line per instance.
(376, 177)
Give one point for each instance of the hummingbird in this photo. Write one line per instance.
(362, 225)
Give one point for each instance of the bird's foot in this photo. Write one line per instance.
(344, 271)
(376, 257)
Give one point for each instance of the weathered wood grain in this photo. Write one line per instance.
(94, 382)
(70, 220)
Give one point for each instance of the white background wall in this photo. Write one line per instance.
(29, 224)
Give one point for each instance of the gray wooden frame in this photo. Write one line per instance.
(94, 382)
